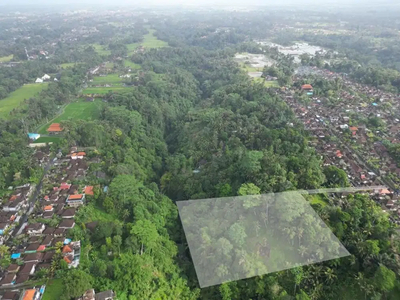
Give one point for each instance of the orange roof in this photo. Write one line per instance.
(89, 190)
(353, 128)
(13, 197)
(29, 294)
(67, 249)
(48, 207)
(81, 153)
(306, 86)
(54, 127)
(75, 197)
(67, 260)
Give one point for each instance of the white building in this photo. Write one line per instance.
(46, 77)
(39, 80)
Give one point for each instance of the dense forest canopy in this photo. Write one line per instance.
(194, 125)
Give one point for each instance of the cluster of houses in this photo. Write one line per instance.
(344, 141)
(49, 221)
(13, 208)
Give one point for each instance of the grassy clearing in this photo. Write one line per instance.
(80, 110)
(111, 78)
(47, 139)
(67, 65)
(103, 90)
(151, 41)
(15, 99)
(6, 58)
(318, 199)
(100, 49)
(131, 64)
(54, 290)
(266, 83)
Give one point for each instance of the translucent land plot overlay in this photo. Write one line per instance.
(240, 237)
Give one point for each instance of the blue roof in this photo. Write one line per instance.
(374, 104)
(67, 241)
(33, 135)
(15, 255)
(105, 189)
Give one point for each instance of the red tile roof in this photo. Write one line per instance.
(75, 197)
(67, 260)
(67, 249)
(55, 127)
(306, 86)
(89, 190)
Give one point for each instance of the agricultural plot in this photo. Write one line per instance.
(131, 64)
(67, 65)
(111, 78)
(15, 99)
(47, 139)
(151, 41)
(80, 110)
(104, 90)
(100, 49)
(6, 58)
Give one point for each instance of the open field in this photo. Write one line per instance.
(111, 78)
(47, 139)
(151, 41)
(53, 290)
(131, 64)
(6, 58)
(17, 97)
(266, 83)
(103, 90)
(80, 110)
(67, 65)
(100, 49)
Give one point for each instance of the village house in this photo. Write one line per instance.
(54, 128)
(28, 268)
(8, 280)
(75, 200)
(35, 229)
(67, 224)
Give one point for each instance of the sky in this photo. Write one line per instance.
(199, 2)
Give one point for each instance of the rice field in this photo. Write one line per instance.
(6, 58)
(68, 65)
(100, 49)
(110, 78)
(16, 98)
(80, 110)
(151, 41)
(131, 64)
(103, 90)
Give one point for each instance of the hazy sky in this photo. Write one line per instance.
(201, 2)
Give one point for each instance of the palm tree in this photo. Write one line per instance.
(330, 275)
